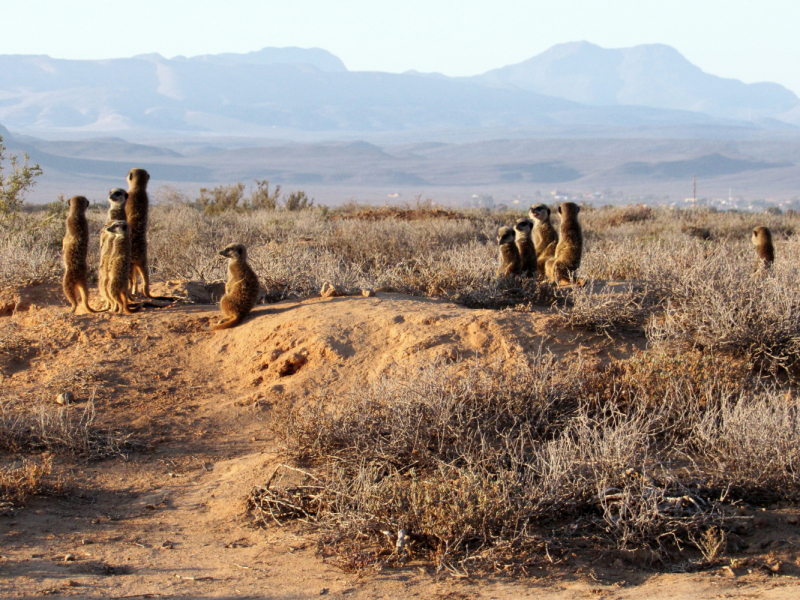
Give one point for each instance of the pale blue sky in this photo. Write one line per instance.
(745, 39)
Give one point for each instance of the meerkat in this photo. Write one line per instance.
(762, 242)
(510, 263)
(116, 212)
(545, 237)
(119, 266)
(560, 268)
(241, 290)
(136, 214)
(525, 247)
(75, 247)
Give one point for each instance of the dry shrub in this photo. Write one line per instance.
(751, 444)
(61, 430)
(394, 212)
(675, 381)
(483, 465)
(701, 233)
(605, 310)
(30, 248)
(724, 305)
(25, 478)
(616, 216)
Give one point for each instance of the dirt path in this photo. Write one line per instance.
(168, 521)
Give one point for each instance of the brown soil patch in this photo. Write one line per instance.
(167, 521)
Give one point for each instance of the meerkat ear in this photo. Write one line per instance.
(577, 209)
(559, 209)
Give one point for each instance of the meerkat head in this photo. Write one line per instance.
(117, 196)
(540, 213)
(568, 209)
(523, 228)
(505, 235)
(761, 235)
(138, 177)
(78, 203)
(119, 228)
(234, 252)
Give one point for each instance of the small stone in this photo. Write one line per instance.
(323, 591)
(775, 567)
(65, 399)
(368, 293)
(793, 520)
(69, 557)
(330, 290)
(760, 522)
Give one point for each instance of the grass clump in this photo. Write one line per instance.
(24, 478)
(59, 430)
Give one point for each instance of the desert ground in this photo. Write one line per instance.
(146, 474)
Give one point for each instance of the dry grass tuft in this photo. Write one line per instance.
(60, 430)
(20, 480)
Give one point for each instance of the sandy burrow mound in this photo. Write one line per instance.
(299, 348)
(22, 298)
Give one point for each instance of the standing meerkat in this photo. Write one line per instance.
(116, 212)
(136, 214)
(510, 263)
(762, 242)
(75, 248)
(525, 247)
(241, 289)
(545, 237)
(119, 266)
(560, 269)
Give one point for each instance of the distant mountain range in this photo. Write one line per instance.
(292, 92)
(651, 75)
(640, 121)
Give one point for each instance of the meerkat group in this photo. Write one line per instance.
(534, 249)
(123, 257)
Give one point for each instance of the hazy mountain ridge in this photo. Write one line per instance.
(290, 90)
(334, 172)
(652, 75)
(217, 119)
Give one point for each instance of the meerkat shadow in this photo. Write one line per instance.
(256, 313)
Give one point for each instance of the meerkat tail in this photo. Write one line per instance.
(123, 301)
(232, 322)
